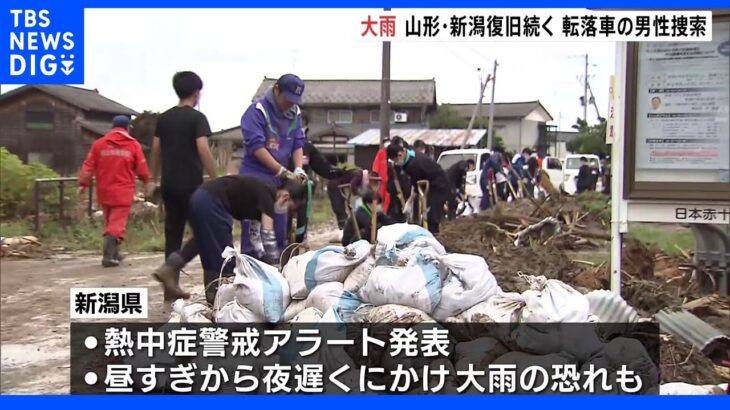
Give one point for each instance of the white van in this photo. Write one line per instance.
(554, 168)
(478, 155)
(570, 171)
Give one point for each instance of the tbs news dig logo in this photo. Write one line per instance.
(43, 50)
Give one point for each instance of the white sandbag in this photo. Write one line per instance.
(417, 285)
(192, 313)
(578, 340)
(294, 308)
(333, 295)
(478, 352)
(398, 243)
(550, 300)
(628, 352)
(686, 389)
(329, 264)
(233, 312)
(468, 282)
(308, 315)
(225, 294)
(504, 307)
(391, 314)
(359, 276)
(259, 287)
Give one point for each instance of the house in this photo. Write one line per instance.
(367, 144)
(336, 111)
(55, 124)
(519, 124)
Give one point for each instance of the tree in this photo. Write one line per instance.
(446, 117)
(591, 139)
(143, 128)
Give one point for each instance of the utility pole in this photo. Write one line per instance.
(385, 94)
(585, 92)
(593, 101)
(490, 135)
(482, 87)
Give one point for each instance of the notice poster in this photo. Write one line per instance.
(683, 104)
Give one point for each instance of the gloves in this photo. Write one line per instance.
(301, 175)
(271, 250)
(286, 174)
(254, 234)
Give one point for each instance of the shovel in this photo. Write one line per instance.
(423, 188)
(346, 193)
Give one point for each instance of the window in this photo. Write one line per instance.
(554, 163)
(339, 116)
(447, 161)
(39, 120)
(572, 163)
(375, 117)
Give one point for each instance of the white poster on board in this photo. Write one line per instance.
(683, 104)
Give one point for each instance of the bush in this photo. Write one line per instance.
(16, 184)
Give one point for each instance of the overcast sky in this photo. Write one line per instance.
(131, 55)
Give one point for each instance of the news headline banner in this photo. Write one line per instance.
(423, 358)
(568, 25)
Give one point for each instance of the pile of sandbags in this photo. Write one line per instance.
(408, 279)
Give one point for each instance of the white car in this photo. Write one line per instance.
(479, 156)
(554, 168)
(570, 171)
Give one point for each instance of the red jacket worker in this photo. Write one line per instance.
(115, 160)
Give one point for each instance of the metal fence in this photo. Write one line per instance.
(42, 187)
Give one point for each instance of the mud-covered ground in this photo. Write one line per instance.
(34, 310)
(652, 281)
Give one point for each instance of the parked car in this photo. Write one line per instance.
(554, 168)
(479, 156)
(570, 171)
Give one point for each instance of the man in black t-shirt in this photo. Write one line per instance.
(457, 177)
(213, 208)
(180, 145)
(422, 167)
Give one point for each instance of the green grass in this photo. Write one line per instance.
(321, 211)
(596, 203)
(666, 238)
(141, 236)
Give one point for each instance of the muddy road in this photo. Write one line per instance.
(34, 310)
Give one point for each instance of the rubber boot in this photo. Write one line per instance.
(118, 254)
(110, 249)
(169, 275)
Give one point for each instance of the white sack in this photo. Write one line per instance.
(686, 389)
(192, 313)
(232, 312)
(329, 264)
(308, 315)
(500, 308)
(225, 294)
(259, 287)
(390, 314)
(398, 243)
(468, 282)
(333, 295)
(550, 301)
(359, 276)
(294, 308)
(417, 285)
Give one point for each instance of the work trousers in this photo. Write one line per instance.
(115, 220)
(176, 202)
(435, 211)
(213, 231)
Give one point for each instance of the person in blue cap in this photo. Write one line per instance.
(272, 137)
